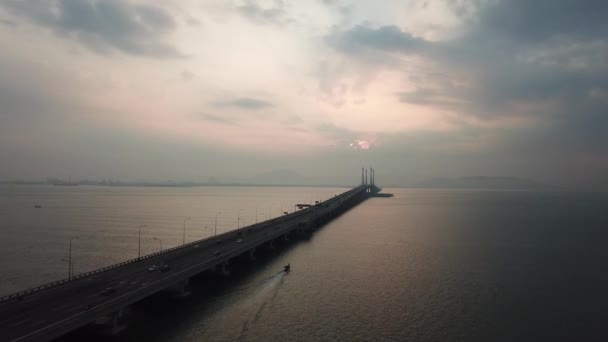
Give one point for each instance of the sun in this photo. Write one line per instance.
(361, 145)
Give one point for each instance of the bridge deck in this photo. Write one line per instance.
(54, 310)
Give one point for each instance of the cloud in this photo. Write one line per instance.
(243, 112)
(8, 22)
(103, 25)
(540, 20)
(492, 65)
(187, 76)
(429, 96)
(245, 103)
(537, 52)
(386, 38)
(217, 119)
(276, 15)
(192, 21)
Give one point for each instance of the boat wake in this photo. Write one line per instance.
(265, 299)
(242, 309)
(255, 284)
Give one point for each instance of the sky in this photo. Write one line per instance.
(161, 90)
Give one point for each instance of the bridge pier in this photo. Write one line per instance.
(304, 231)
(222, 268)
(181, 289)
(271, 244)
(225, 271)
(112, 324)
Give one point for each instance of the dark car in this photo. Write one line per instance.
(165, 268)
(107, 291)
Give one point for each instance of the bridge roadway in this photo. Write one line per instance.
(50, 312)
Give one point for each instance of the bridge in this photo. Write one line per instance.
(52, 310)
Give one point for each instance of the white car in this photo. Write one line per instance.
(152, 268)
(239, 240)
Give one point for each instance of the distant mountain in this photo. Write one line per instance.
(482, 182)
(279, 177)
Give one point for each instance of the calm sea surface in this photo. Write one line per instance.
(426, 265)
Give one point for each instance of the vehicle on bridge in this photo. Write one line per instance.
(107, 291)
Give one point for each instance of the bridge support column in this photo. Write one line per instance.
(223, 269)
(304, 231)
(271, 244)
(181, 289)
(112, 324)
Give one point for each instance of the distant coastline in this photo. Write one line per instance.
(474, 182)
(168, 184)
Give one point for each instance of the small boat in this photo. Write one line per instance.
(37, 206)
(286, 268)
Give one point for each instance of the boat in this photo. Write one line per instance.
(37, 206)
(286, 268)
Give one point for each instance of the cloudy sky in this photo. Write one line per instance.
(187, 90)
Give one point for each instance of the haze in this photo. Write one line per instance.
(189, 90)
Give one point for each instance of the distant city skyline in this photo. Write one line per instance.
(187, 90)
(295, 180)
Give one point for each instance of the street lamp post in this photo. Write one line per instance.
(204, 232)
(184, 234)
(160, 242)
(215, 227)
(70, 257)
(139, 241)
(238, 219)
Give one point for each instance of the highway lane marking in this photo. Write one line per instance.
(22, 321)
(93, 296)
(56, 308)
(8, 319)
(38, 322)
